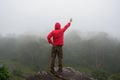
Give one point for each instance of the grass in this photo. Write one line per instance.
(17, 78)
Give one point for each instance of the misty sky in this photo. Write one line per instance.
(39, 16)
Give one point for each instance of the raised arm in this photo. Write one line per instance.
(67, 25)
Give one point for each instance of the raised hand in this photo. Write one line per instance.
(70, 20)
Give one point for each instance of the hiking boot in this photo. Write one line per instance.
(52, 71)
(59, 70)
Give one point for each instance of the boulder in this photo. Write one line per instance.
(67, 74)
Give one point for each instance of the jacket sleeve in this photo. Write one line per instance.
(49, 37)
(66, 26)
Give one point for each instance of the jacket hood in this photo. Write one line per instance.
(57, 26)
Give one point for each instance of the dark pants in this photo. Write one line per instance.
(56, 51)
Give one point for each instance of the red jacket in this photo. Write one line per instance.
(56, 37)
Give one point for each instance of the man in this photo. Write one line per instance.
(56, 39)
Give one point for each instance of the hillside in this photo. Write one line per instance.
(28, 54)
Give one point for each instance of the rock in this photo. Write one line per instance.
(68, 73)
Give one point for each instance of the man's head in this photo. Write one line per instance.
(57, 26)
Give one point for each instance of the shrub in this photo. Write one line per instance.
(4, 73)
(100, 74)
(114, 77)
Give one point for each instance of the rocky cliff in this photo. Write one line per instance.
(67, 74)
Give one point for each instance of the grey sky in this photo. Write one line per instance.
(20, 16)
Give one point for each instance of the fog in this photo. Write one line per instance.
(28, 54)
(39, 16)
(92, 42)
